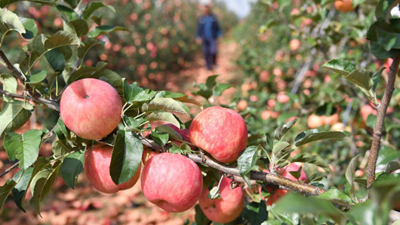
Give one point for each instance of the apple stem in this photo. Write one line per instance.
(380, 119)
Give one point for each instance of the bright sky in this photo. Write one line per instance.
(240, 7)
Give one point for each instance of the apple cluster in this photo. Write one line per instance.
(92, 109)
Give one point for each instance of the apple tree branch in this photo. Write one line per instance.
(380, 119)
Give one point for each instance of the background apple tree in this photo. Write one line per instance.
(316, 87)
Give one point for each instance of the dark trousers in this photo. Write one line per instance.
(210, 52)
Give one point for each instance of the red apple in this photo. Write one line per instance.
(172, 182)
(91, 108)
(219, 131)
(314, 121)
(225, 209)
(282, 97)
(97, 169)
(344, 5)
(242, 105)
(294, 44)
(331, 120)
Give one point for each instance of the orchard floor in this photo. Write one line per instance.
(85, 205)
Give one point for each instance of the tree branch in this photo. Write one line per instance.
(11, 67)
(49, 103)
(380, 119)
(280, 181)
(9, 169)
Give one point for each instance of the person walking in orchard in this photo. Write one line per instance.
(208, 32)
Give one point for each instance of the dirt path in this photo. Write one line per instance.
(226, 69)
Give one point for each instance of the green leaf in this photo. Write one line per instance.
(386, 155)
(170, 131)
(70, 13)
(37, 77)
(25, 147)
(211, 81)
(217, 91)
(56, 60)
(19, 191)
(200, 218)
(335, 196)
(13, 115)
(163, 116)
(187, 99)
(42, 183)
(61, 38)
(10, 140)
(255, 213)
(87, 44)
(93, 6)
(385, 194)
(105, 29)
(295, 203)
(214, 193)
(126, 156)
(83, 72)
(280, 132)
(316, 176)
(81, 27)
(306, 157)
(279, 147)
(160, 138)
(109, 76)
(72, 3)
(71, 167)
(359, 77)
(61, 130)
(246, 161)
(9, 21)
(5, 191)
(341, 67)
(365, 213)
(9, 84)
(269, 141)
(350, 171)
(60, 148)
(392, 166)
(134, 93)
(30, 28)
(375, 78)
(37, 44)
(314, 135)
(164, 104)
(203, 93)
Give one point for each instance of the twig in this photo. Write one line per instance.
(9, 169)
(11, 67)
(380, 119)
(254, 175)
(49, 103)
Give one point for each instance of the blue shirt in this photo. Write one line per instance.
(208, 27)
(208, 20)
